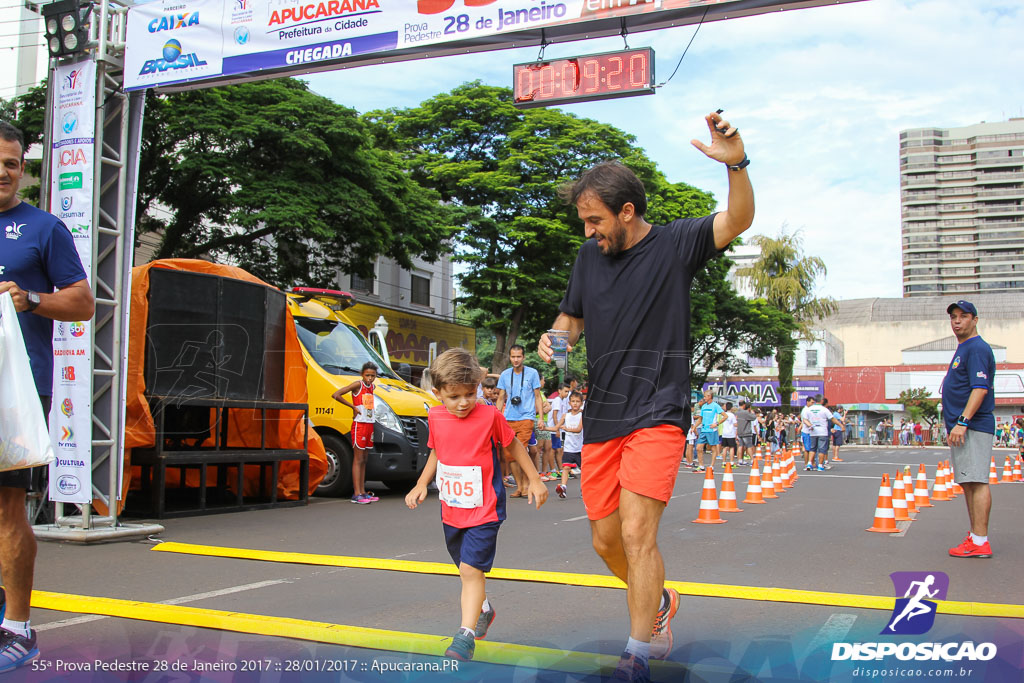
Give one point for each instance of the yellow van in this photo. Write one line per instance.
(335, 352)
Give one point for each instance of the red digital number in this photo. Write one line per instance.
(638, 71)
(617, 61)
(590, 71)
(570, 77)
(548, 71)
(524, 84)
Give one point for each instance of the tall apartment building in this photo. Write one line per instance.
(962, 200)
(22, 50)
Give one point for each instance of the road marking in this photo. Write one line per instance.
(903, 527)
(711, 590)
(834, 630)
(173, 601)
(509, 654)
(575, 519)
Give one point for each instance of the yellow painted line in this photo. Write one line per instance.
(709, 590)
(489, 652)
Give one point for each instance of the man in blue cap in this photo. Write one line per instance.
(968, 404)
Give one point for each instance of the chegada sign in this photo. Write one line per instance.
(194, 43)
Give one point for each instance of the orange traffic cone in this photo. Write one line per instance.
(952, 488)
(921, 489)
(754, 485)
(899, 499)
(787, 472)
(939, 491)
(908, 488)
(727, 501)
(993, 478)
(1016, 469)
(885, 518)
(709, 502)
(777, 475)
(1007, 471)
(767, 484)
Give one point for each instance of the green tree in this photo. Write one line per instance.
(28, 113)
(281, 181)
(500, 168)
(786, 278)
(921, 405)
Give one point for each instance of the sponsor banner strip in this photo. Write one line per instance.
(710, 590)
(491, 652)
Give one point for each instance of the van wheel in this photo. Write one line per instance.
(338, 480)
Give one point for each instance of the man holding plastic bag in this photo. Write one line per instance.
(42, 276)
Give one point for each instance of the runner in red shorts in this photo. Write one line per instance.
(631, 284)
(362, 428)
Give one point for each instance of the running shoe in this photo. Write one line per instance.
(3, 599)
(462, 647)
(16, 650)
(966, 549)
(361, 499)
(545, 477)
(808, 468)
(661, 634)
(575, 471)
(484, 622)
(821, 468)
(699, 468)
(371, 496)
(837, 459)
(560, 490)
(632, 668)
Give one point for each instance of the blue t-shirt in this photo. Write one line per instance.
(521, 385)
(709, 413)
(973, 366)
(37, 253)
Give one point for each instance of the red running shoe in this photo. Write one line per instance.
(970, 549)
(560, 490)
(661, 634)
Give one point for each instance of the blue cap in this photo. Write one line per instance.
(965, 306)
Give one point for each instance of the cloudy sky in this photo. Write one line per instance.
(820, 96)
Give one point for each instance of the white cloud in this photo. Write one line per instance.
(820, 96)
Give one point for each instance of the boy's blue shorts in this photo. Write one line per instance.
(473, 545)
(556, 443)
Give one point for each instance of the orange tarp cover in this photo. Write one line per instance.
(244, 426)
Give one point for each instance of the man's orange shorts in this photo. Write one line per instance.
(645, 462)
(523, 430)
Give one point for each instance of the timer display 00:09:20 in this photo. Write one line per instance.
(585, 77)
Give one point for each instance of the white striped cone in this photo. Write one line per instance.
(921, 490)
(899, 500)
(788, 472)
(777, 475)
(767, 482)
(939, 491)
(993, 478)
(1007, 471)
(1016, 470)
(908, 489)
(754, 485)
(709, 502)
(727, 499)
(885, 518)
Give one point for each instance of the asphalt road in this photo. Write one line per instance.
(813, 539)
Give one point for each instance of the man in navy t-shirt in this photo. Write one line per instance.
(37, 256)
(631, 285)
(968, 405)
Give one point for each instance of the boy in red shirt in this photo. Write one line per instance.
(362, 428)
(465, 438)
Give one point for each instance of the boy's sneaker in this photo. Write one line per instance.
(808, 468)
(632, 668)
(3, 599)
(971, 549)
(821, 468)
(560, 490)
(661, 634)
(16, 650)
(484, 622)
(462, 647)
(361, 499)
(575, 471)
(371, 496)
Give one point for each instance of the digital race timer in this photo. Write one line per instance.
(587, 77)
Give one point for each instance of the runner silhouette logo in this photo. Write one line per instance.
(914, 612)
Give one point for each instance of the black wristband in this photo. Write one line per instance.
(740, 166)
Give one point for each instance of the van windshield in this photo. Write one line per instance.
(338, 348)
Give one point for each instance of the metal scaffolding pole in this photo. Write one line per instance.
(118, 137)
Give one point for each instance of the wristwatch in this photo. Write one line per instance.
(962, 421)
(33, 300)
(740, 166)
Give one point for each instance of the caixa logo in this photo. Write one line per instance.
(172, 58)
(914, 614)
(170, 22)
(68, 484)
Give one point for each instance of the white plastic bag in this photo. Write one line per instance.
(24, 439)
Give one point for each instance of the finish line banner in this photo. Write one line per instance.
(71, 193)
(174, 42)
